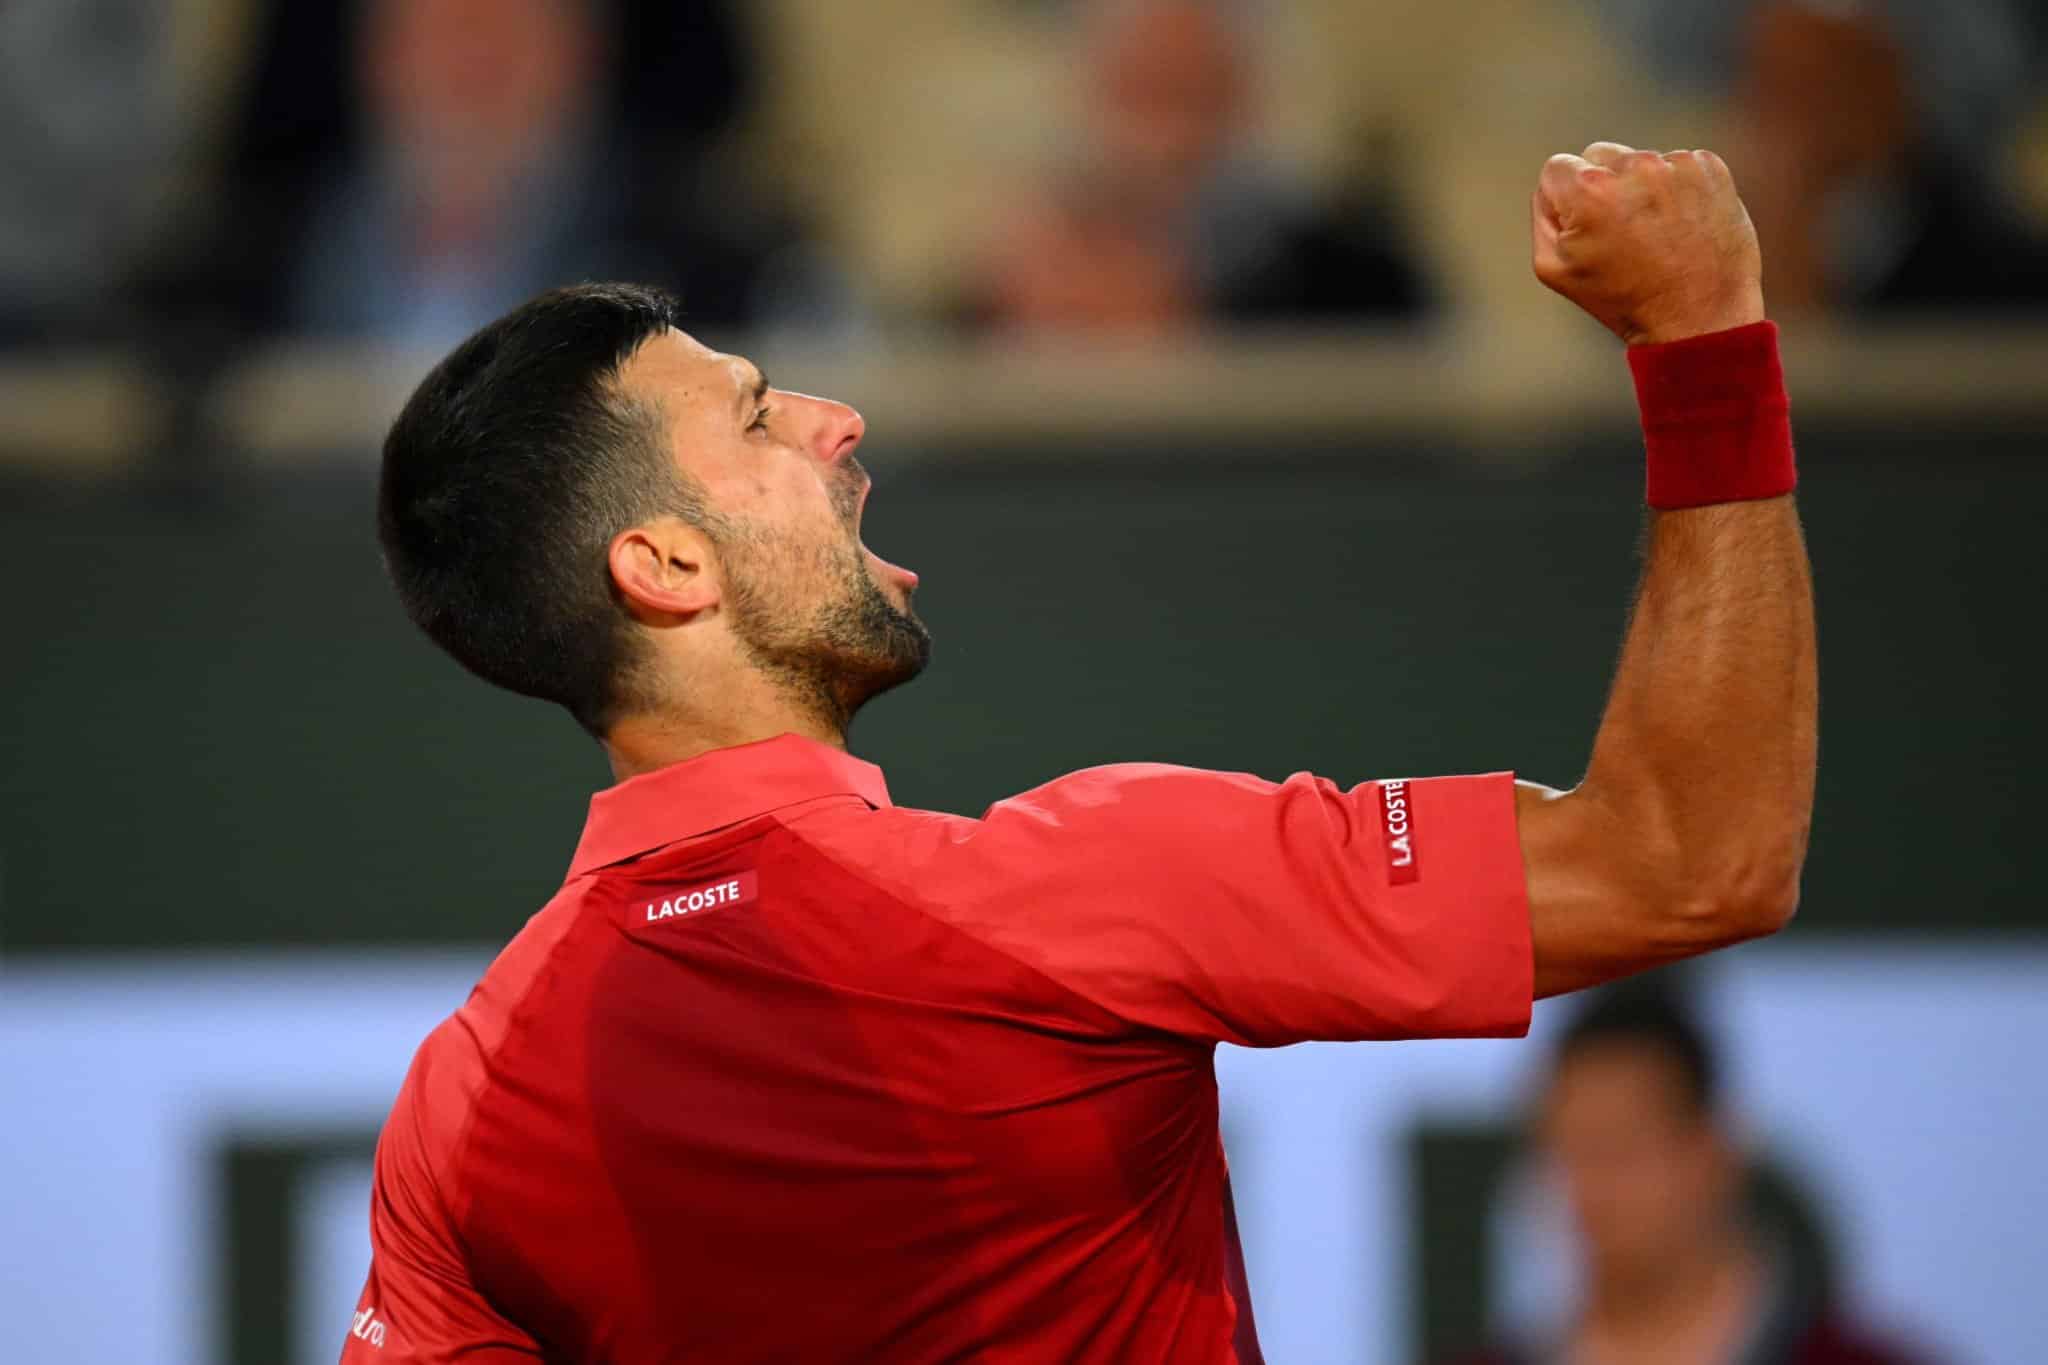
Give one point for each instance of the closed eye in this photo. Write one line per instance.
(760, 422)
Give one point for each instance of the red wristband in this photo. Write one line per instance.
(1716, 423)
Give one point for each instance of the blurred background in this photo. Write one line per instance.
(1209, 390)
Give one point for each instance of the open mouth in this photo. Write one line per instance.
(896, 571)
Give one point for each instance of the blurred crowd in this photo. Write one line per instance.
(1685, 1249)
(208, 172)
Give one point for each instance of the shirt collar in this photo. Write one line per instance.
(715, 789)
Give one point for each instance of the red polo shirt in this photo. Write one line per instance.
(788, 1073)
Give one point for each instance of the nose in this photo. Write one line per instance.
(839, 429)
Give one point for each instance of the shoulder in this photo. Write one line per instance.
(449, 1070)
(1133, 841)
(1142, 792)
(411, 1177)
(1177, 821)
(1129, 813)
(452, 1067)
(520, 973)
(1130, 799)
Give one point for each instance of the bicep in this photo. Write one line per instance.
(1601, 901)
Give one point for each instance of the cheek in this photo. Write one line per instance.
(801, 509)
(789, 568)
(744, 485)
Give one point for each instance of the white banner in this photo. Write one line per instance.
(1902, 1082)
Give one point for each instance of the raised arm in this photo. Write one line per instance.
(1689, 829)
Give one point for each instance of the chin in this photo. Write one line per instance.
(890, 646)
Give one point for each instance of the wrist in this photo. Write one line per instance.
(1744, 311)
(1716, 420)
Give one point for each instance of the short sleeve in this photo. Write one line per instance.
(418, 1306)
(1224, 907)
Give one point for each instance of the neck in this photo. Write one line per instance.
(1690, 1296)
(640, 744)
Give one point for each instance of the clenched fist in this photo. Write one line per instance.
(1658, 247)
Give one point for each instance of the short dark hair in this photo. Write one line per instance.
(1652, 1016)
(505, 477)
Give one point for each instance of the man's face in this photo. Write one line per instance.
(811, 604)
(1648, 1178)
(1168, 94)
(465, 85)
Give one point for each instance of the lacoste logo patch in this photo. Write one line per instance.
(1397, 829)
(734, 888)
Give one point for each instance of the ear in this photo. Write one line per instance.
(664, 569)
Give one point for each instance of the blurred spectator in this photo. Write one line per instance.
(405, 169)
(1674, 1268)
(87, 119)
(1164, 218)
(482, 181)
(1872, 142)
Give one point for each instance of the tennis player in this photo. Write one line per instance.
(786, 1072)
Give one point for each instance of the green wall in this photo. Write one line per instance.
(218, 729)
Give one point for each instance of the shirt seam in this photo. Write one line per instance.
(515, 1020)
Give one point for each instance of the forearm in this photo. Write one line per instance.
(1708, 743)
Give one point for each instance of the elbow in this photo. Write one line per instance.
(1733, 879)
(1670, 884)
(1750, 899)
(1725, 890)
(1762, 910)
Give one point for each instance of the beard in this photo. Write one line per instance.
(850, 645)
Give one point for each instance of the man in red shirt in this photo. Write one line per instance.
(787, 1072)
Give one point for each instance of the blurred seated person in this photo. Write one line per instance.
(481, 181)
(89, 117)
(1674, 1271)
(1870, 138)
(1857, 200)
(389, 165)
(497, 148)
(1162, 222)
